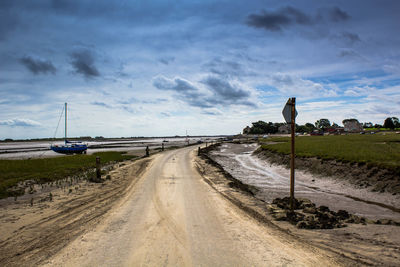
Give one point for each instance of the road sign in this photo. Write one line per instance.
(287, 111)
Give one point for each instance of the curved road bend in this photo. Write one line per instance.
(173, 218)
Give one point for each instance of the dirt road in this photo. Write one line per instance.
(171, 217)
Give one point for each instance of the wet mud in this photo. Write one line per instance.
(271, 181)
(367, 233)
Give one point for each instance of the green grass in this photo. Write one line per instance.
(375, 150)
(50, 169)
(380, 129)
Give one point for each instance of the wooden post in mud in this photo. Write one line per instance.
(198, 152)
(98, 169)
(147, 151)
(162, 147)
(292, 154)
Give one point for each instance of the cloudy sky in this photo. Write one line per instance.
(158, 68)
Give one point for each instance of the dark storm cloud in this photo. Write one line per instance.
(288, 16)
(225, 90)
(220, 92)
(277, 20)
(37, 66)
(186, 91)
(350, 37)
(83, 63)
(336, 14)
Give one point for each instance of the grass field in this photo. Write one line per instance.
(380, 129)
(50, 169)
(382, 150)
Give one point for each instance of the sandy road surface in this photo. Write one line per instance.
(171, 217)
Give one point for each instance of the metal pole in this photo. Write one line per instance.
(65, 122)
(98, 168)
(293, 126)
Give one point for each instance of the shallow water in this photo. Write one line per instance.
(273, 181)
(41, 149)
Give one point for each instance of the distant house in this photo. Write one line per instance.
(330, 130)
(339, 130)
(284, 129)
(335, 130)
(353, 126)
(317, 132)
(246, 130)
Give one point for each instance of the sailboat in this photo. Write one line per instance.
(69, 147)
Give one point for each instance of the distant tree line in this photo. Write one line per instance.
(262, 127)
(389, 123)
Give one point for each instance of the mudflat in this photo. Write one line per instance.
(368, 243)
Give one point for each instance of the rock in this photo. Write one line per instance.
(284, 203)
(342, 214)
(302, 225)
(294, 217)
(385, 222)
(311, 210)
(309, 218)
(355, 219)
(324, 217)
(323, 209)
(305, 203)
(340, 225)
(272, 207)
(369, 221)
(280, 216)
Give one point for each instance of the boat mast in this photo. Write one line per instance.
(65, 122)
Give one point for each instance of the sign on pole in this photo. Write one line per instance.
(289, 113)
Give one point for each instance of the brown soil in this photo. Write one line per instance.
(361, 175)
(360, 244)
(33, 231)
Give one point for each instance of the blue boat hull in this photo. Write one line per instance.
(74, 149)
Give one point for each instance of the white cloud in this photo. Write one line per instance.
(292, 85)
(359, 91)
(20, 122)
